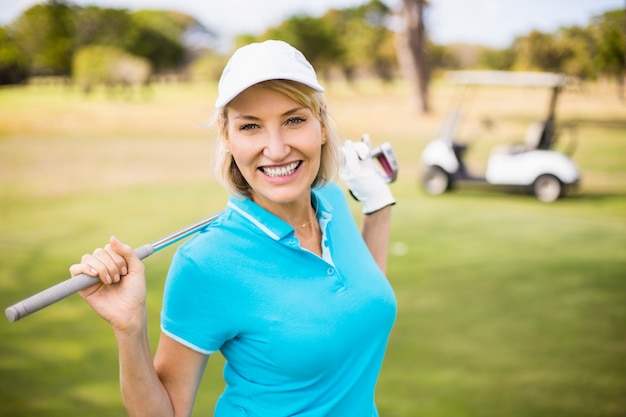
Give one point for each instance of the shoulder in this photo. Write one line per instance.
(332, 193)
(331, 190)
(210, 242)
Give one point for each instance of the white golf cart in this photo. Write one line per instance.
(532, 166)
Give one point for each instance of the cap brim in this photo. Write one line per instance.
(225, 99)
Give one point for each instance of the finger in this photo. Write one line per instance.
(363, 150)
(118, 260)
(105, 256)
(351, 158)
(92, 265)
(347, 145)
(349, 152)
(78, 269)
(366, 140)
(126, 252)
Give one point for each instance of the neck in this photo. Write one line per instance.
(300, 213)
(310, 236)
(311, 222)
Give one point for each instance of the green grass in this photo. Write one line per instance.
(506, 306)
(507, 309)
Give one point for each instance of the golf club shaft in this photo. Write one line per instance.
(80, 282)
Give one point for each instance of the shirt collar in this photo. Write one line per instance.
(270, 224)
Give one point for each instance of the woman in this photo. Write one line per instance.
(282, 283)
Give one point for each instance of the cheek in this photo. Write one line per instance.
(241, 155)
(244, 156)
(241, 148)
(316, 145)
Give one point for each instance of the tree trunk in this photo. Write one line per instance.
(621, 80)
(414, 57)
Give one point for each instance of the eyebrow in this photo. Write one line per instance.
(287, 113)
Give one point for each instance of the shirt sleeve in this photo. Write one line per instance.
(195, 304)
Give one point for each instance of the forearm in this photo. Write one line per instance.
(376, 230)
(142, 391)
(121, 302)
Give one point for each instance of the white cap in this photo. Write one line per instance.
(256, 62)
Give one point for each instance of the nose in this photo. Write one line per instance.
(276, 148)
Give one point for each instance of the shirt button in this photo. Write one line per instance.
(330, 271)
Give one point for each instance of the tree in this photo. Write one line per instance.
(441, 56)
(164, 53)
(498, 59)
(158, 35)
(347, 40)
(208, 66)
(101, 26)
(366, 41)
(314, 37)
(412, 50)
(50, 34)
(13, 60)
(538, 51)
(46, 33)
(578, 46)
(152, 34)
(610, 32)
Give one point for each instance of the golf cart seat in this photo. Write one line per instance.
(534, 135)
(532, 140)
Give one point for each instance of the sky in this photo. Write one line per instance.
(493, 23)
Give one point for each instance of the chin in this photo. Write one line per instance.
(281, 194)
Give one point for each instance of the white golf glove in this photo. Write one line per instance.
(365, 182)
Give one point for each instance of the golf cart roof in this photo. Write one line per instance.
(506, 78)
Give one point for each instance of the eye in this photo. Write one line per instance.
(295, 120)
(248, 126)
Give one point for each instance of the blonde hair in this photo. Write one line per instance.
(226, 170)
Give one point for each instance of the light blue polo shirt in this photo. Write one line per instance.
(302, 335)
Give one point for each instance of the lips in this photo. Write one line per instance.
(283, 171)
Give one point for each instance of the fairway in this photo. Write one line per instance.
(506, 306)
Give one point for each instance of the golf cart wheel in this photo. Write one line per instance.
(547, 188)
(436, 181)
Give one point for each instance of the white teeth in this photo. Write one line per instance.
(282, 171)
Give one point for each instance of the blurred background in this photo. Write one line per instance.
(508, 306)
(113, 42)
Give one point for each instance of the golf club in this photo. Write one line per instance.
(384, 154)
(80, 282)
(386, 157)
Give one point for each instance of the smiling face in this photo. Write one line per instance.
(276, 143)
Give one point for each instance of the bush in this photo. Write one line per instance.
(109, 66)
